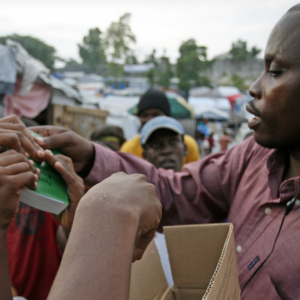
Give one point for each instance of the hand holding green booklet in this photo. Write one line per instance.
(51, 194)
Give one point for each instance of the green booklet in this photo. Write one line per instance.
(51, 194)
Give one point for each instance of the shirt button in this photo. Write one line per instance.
(239, 249)
(297, 202)
(268, 211)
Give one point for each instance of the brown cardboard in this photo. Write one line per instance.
(203, 264)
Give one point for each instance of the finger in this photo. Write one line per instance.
(48, 130)
(20, 128)
(11, 141)
(18, 168)
(63, 165)
(141, 244)
(60, 140)
(11, 119)
(27, 142)
(24, 179)
(11, 157)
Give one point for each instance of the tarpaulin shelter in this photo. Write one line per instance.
(26, 85)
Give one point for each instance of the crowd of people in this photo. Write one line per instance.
(255, 186)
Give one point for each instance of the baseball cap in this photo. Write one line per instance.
(159, 123)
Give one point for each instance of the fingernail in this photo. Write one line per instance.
(35, 185)
(38, 171)
(49, 152)
(40, 153)
(36, 177)
(40, 140)
(31, 162)
(26, 154)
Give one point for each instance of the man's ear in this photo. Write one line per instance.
(185, 149)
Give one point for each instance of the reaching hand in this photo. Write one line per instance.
(80, 150)
(18, 137)
(64, 166)
(15, 172)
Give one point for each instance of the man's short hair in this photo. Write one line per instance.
(294, 8)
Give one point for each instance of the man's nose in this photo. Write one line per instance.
(166, 147)
(255, 89)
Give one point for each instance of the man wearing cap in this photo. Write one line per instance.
(162, 141)
(153, 104)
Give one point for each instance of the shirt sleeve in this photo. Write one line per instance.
(201, 193)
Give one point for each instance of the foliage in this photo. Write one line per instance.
(165, 72)
(161, 73)
(119, 37)
(91, 50)
(131, 59)
(35, 47)
(192, 60)
(240, 52)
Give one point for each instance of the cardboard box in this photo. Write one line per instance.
(203, 264)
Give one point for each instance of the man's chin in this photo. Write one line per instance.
(267, 141)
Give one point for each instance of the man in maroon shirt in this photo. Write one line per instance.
(251, 184)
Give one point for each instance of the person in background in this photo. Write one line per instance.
(111, 137)
(153, 104)
(203, 143)
(162, 141)
(224, 140)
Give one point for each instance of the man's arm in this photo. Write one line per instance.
(201, 193)
(15, 172)
(114, 223)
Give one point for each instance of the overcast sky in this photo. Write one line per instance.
(159, 24)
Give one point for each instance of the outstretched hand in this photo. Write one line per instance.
(15, 173)
(80, 150)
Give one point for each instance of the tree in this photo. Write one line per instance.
(91, 50)
(119, 37)
(192, 60)
(35, 47)
(240, 52)
(164, 72)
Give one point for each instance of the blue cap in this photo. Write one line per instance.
(160, 123)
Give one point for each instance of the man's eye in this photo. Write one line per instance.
(174, 142)
(156, 146)
(275, 73)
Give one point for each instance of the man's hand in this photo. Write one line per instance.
(80, 150)
(15, 173)
(18, 137)
(128, 199)
(64, 166)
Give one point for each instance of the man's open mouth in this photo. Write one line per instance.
(253, 122)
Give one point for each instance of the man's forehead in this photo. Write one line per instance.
(284, 39)
(161, 133)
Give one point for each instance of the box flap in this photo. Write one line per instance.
(148, 280)
(194, 252)
(224, 283)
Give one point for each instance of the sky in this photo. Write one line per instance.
(159, 24)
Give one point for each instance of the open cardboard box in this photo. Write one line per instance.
(203, 264)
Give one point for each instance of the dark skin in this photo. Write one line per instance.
(165, 149)
(277, 93)
(149, 114)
